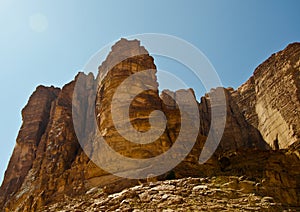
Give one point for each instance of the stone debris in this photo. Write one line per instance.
(187, 194)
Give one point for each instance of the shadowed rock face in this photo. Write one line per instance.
(48, 162)
(35, 120)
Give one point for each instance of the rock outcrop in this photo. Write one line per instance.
(36, 117)
(228, 193)
(50, 163)
(269, 100)
(125, 60)
(238, 133)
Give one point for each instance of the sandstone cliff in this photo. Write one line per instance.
(48, 162)
(269, 100)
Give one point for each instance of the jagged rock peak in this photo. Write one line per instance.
(123, 50)
(289, 53)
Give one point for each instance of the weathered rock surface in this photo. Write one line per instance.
(133, 59)
(188, 194)
(269, 100)
(238, 133)
(50, 171)
(35, 120)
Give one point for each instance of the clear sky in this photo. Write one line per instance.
(47, 42)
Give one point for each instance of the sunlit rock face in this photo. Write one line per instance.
(269, 100)
(49, 164)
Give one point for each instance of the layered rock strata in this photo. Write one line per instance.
(269, 100)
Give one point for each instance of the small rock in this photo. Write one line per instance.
(145, 197)
(247, 186)
(267, 200)
(92, 190)
(165, 196)
(125, 201)
(232, 185)
(168, 210)
(200, 187)
(175, 200)
(164, 188)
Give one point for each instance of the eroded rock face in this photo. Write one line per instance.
(49, 163)
(269, 100)
(126, 59)
(35, 120)
(238, 133)
(53, 155)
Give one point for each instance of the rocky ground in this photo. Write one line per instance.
(189, 194)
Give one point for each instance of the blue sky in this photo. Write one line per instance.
(47, 42)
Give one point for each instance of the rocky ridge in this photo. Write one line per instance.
(260, 141)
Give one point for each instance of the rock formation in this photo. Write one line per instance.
(260, 141)
(224, 193)
(269, 100)
(36, 116)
